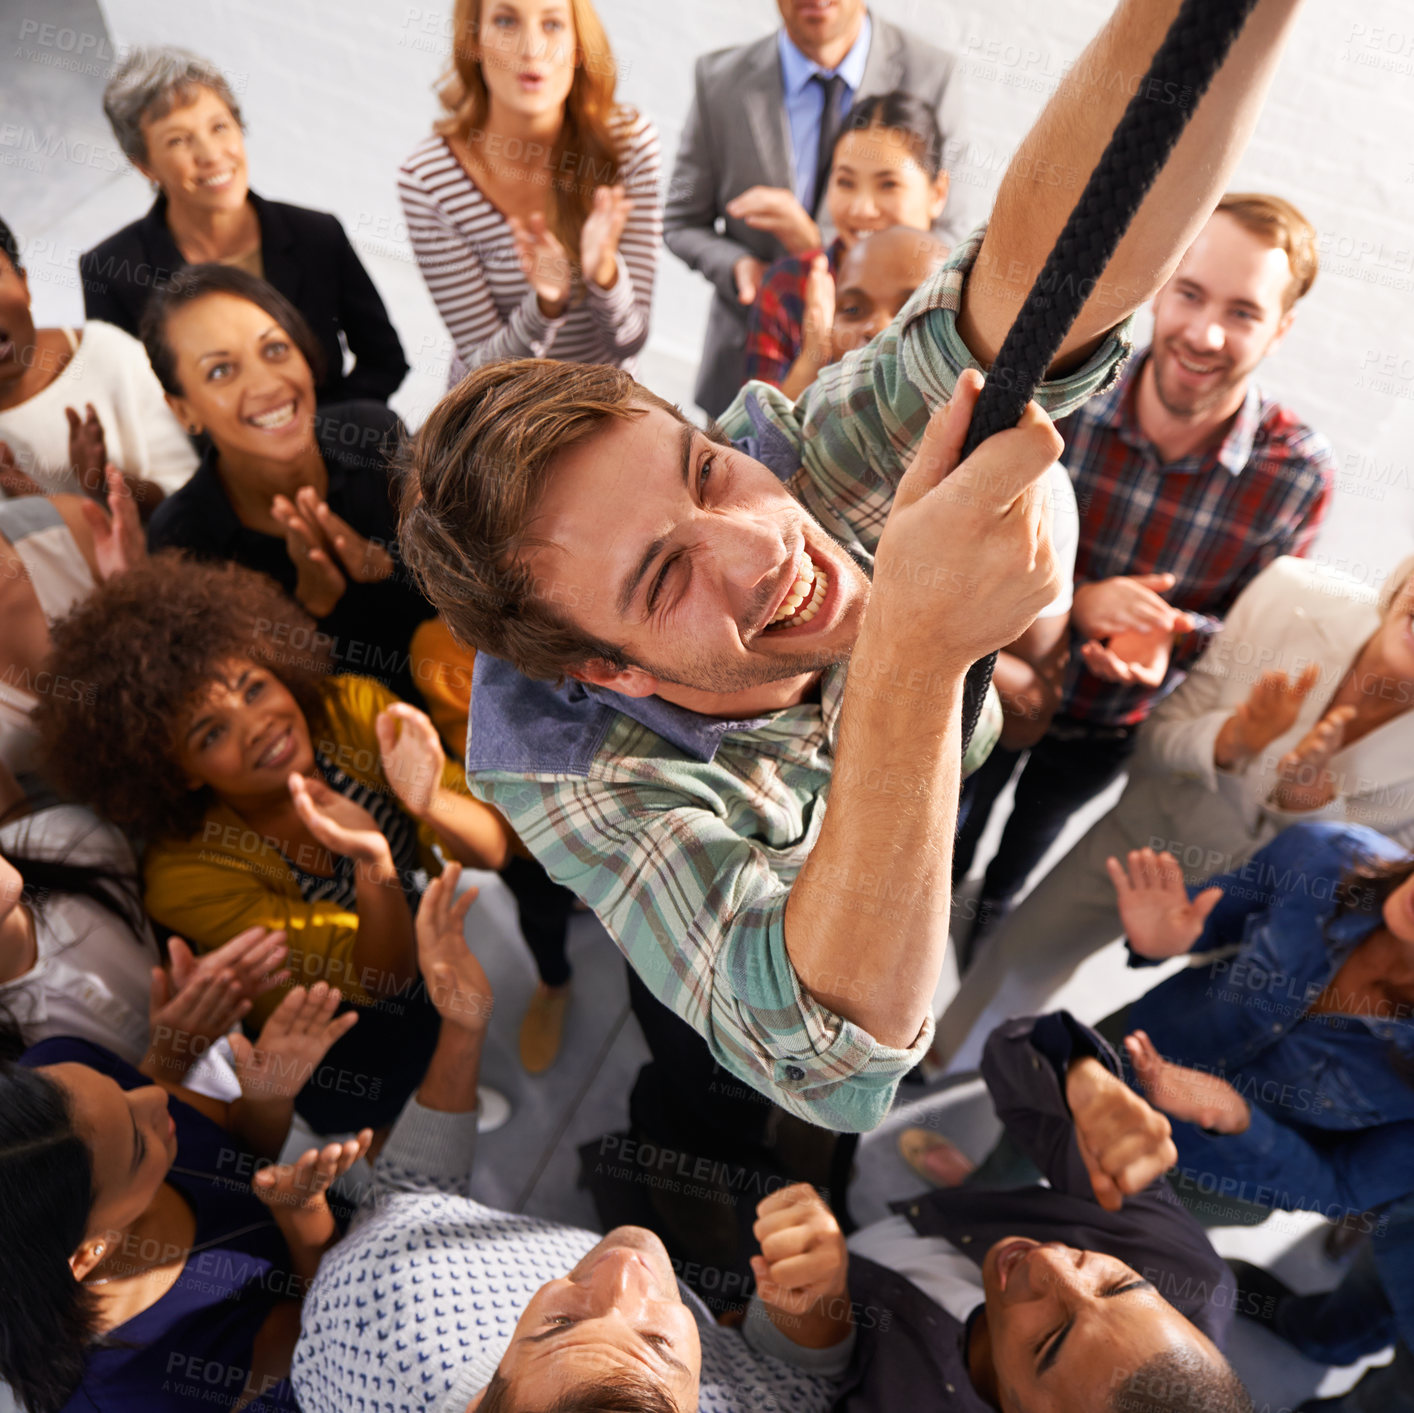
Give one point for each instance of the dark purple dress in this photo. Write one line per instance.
(193, 1347)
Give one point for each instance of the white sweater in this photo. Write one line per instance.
(110, 370)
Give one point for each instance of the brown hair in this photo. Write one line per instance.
(135, 654)
(1279, 223)
(616, 1395)
(584, 155)
(472, 478)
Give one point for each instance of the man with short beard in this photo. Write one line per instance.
(1189, 482)
(663, 616)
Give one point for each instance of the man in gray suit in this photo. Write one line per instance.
(763, 177)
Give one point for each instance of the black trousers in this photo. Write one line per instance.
(544, 910)
(1066, 768)
(702, 1150)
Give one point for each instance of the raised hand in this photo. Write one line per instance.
(292, 1043)
(183, 1024)
(1126, 603)
(118, 539)
(803, 1257)
(365, 561)
(88, 450)
(600, 234)
(1124, 1143)
(301, 1185)
(412, 756)
(319, 585)
(819, 315)
(1158, 917)
(1189, 1095)
(455, 980)
(779, 212)
(254, 957)
(543, 262)
(1269, 712)
(341, 825)
(1136, 656)
(746, 275)
(1305, 779)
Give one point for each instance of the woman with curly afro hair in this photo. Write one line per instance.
(202, 721)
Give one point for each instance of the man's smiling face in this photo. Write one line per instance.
(617, 1316)
(1067, 1326)
(695, 561)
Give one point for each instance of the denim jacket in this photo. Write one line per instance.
(1332, 1126)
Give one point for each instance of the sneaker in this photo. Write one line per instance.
(543, 1027)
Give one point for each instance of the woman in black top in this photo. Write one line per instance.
(303, 497)
(176, 118)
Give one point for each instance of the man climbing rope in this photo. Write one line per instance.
(702, 594)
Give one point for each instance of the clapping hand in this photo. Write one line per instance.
(803, 1256)
(254, 957)
(319, 585)
(600, 235)
(1305, 779)
(412, 756)
(777, 211)
(455, 980)
(13, 481)
(818, 319)
(118, 540)
(1159, 919)
(543, 262)
(1138, 656)
(1124, 1143)
(88, 449)
(343, 826)
(183, 1023)
(364, 560)
(291, 1044)
(1189, 1095)
(301, 1185)
(1126, 603)
(1268, 713)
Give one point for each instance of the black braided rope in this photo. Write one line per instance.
(1183, 66)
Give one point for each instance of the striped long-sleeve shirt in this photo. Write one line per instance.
(467, 256)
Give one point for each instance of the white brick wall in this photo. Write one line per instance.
(335, 94)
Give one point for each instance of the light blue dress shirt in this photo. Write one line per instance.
(805, 102)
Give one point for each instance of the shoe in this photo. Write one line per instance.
(492, 1109)
(1259, 1292)
(542, 1027)
(936, 1160)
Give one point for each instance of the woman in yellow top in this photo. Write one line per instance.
(269, 793)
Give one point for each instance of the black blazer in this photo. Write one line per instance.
(909, 1351)
(307, 257)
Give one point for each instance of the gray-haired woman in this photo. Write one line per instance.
(177, 119)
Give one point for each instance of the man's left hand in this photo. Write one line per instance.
(1124, 1142)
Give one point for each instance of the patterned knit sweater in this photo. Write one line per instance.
(413, 1310)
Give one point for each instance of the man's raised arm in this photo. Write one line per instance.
(1071, 133)
(964, 565)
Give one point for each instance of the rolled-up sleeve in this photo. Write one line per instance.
(699, 912)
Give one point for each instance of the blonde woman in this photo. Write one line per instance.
(534, 208)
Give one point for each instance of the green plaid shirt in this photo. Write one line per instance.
(688, 861)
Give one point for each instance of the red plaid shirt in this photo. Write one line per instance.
(1214, 521)
(774, 332)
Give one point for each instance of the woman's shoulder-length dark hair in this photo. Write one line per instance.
(194, 282)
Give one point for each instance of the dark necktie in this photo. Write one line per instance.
(834, 87)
